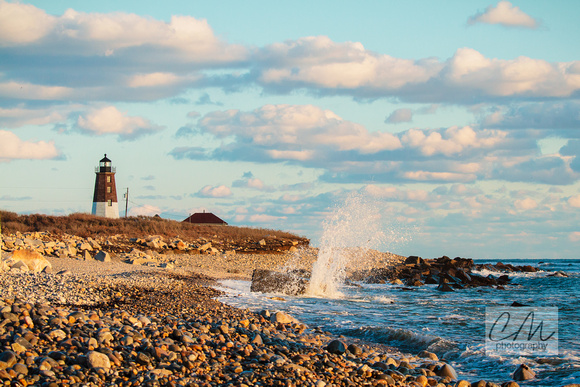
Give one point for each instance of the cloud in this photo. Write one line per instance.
(113, 34)
(534, 115)
(574, 201)
(396, 194)
(253, 183)
(572, 148)
(296, 133)
(109, 120)
(505, 14)
(209, 191)
(399, 115)
(525, 204)
(205, 99)
(19, 116)
(453, 140)
(120, 56)
(327, 67)
(347, 152)
(23, 23)
(80, 56)
(152, 79)
(193, 114)
(544, 170)
(13, 148)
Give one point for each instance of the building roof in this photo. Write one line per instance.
(105, 159)
(204, 218)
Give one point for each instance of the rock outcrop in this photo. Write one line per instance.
(268, 281)
(25, 260)
(449, 274)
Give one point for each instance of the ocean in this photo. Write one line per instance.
(450, 324)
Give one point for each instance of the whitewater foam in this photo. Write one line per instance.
(352, 229)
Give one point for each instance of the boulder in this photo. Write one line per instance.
(447, 371)
(103, 256)
(205, 247)
(98, 360)
(282, 318)
(33, 260)
(414, 260)
(336, 347)
(355, 349)
(428, 355)
(523, 372)
(268, 281)
(84, 246)
(86, 255)
(444, 287)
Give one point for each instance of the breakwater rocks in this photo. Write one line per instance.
(168, 330)
(449, 274)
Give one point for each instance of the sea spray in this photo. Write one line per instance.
(351, 230)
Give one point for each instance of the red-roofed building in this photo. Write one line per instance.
(205, 218)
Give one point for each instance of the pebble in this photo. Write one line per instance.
(152, 329)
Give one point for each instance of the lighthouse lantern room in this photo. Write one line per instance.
(105, 196)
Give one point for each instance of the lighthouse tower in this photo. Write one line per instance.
(105, 197)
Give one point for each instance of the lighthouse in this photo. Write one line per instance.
(105, 196)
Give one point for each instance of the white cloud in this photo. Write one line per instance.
(400, 115)
(525, 204)
(250, 182)
(109, 120)
(255, 183)
(150, 59)
(28, 91)
(396, 194)
(453, 140)
(347, 68)
(107, 34)
(12, 148)
(574, 201)
(574, 236)
(286, 127)
(505, 14)
(220, 191)
(348, 153)
(23, 23)
(319, 60)
(19, 116)
(152, 79)
(439, 176)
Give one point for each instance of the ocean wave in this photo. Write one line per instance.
(405, 339)
(383, 299)
(515, 274)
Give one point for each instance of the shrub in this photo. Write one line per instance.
(86, 225)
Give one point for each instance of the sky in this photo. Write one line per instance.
(458, 122)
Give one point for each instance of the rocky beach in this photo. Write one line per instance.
(131, 312)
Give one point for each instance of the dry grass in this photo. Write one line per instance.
(85, 225)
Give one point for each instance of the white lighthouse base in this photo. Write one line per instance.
(103, 209)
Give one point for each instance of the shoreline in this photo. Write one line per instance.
(167, 328)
